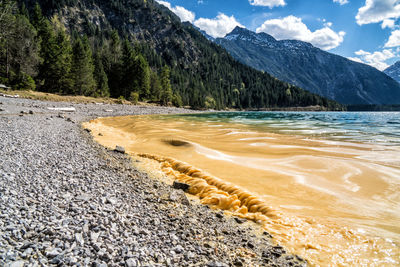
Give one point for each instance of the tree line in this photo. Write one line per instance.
(37, 53)
(171, 64)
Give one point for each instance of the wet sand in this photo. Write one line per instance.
(331, 202)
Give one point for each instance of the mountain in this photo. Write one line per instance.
(394, 71)
(311, 68)
(203, 75)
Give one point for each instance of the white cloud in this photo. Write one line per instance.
(394, 39)
(376, 59)
(388, 23)
(341, 2)
(181, 12)
(219, 26)
(292, 27)
(375, 11)
(356, 59)
(268, 3)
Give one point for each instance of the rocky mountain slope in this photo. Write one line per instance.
(202, 73)
(394, 71)
(313, 69)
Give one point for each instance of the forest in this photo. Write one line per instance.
(39, 51)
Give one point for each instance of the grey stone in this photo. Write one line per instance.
(179, 196)
(179, 185)
(52, 252)
(79, 239)
(17, 264)
(131, 263)
(119, 149)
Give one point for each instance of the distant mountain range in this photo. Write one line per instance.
(394, 71)
(313, 69)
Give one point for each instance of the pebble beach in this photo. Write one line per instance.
(67, 201)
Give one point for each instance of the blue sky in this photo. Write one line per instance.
(367, 31)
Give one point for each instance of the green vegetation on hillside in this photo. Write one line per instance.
(137, 50)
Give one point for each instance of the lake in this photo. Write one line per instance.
(326, 185)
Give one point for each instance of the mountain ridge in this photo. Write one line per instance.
(394, 71)
(311, 68)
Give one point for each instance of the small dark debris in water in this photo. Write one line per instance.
(179, 185)
(100, 134)
(88, 130)
(174, 142)
(240, 220)
(119, 149)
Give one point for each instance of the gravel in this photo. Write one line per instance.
(66, 201)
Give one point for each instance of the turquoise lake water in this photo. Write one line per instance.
(381, 128)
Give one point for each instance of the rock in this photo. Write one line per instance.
(178, 249)
(240, 220)
(79, 239)
(16, 264)
(119, 149)
(30, 112)
(2, 109)
(238, 263)
(180, 185)
(217, 264)
(111, 201)
(94, 236)
(83, 197)
(63, 109)
(131, 263)
(52, 252)
(179, 196)
(57, 260)
(219, 215)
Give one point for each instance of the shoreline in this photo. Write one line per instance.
(65, 200)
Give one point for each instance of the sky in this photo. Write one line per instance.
(366, 31)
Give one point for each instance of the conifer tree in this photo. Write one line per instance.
(166, 95)
(129, 82)
(143, 76)
(155, 87)
(112, 65)
(82, 68)
(55, 50)
(100, 77)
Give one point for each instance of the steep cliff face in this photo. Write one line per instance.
(311, 68)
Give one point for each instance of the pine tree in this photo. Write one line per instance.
(112, 65)
(100, 77)
(55, 50)
(129, 82)
(166, 95)
(155, 87)
(82, 68)
(143, 76)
